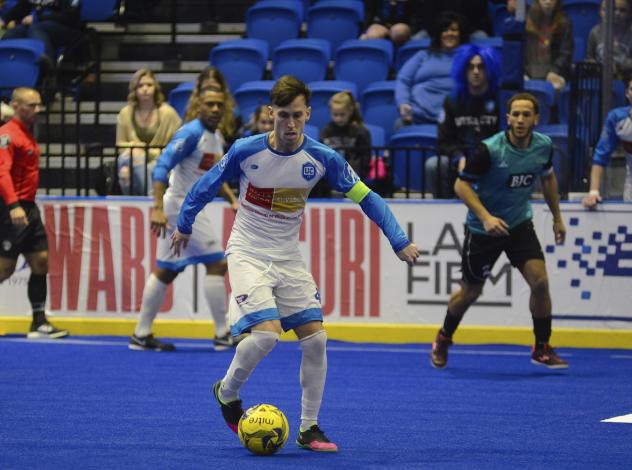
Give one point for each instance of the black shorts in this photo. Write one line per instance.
(29, 239)
(480, 252)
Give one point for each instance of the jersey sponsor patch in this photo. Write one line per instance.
(277, 199)
(524, 180)
(4, 141)
(207, 161)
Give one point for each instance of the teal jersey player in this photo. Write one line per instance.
(504, 176)
(496, 186)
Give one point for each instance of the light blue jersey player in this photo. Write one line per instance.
(617, 129)
(192, 151)
(272, 290)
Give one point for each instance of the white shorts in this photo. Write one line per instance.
(204, 247)
(271, 290)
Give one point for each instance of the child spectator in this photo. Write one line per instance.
(260, 122)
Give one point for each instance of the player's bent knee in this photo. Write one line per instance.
(314, 344)
(471, 292)
(217, 269)
(265, 340)
(540, 286)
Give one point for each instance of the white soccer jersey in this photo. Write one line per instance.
(193, 150)
(273, 191)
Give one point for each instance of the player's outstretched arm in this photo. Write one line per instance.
(157, 217)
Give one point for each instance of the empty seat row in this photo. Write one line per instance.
(275, 21)
(360, 61)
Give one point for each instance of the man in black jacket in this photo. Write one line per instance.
(55, 22)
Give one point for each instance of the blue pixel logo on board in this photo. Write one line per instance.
(603, 252)
(309, 171)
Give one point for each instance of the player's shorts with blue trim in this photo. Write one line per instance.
(204, 246)
(265, 290)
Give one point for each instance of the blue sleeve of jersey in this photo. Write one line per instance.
(608, 141)
(339, 173)
(180, 146)
(378, 211)
(206, 188)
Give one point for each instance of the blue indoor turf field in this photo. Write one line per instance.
(91, 403)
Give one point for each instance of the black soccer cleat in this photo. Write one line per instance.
(148, 343)
(315, 439)
(231, 411)
(45, 330)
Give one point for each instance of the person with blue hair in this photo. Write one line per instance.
(469, 115)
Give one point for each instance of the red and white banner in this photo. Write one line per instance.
(101, 252)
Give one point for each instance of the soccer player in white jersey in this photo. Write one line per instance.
(272, 289)
(193, 150)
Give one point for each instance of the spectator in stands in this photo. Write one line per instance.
(476, 20)
(470, 114)
(389, 19)
(424, 80)
(55, 22)
(346, 133)
(212, 77)
(616, 130)
(549, 44)
(622, 40)
(143, 127)
(260, 122)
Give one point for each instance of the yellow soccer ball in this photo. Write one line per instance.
(263, 429)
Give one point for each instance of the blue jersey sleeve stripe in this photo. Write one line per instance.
(378, 211)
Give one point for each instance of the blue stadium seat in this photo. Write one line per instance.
(618, 90)
(322, 91)
(498, 14)
(252, 94)
(408, 165)
(579, 49)
(22, 60)
(312, 131)
(545, 94)
(274, 21)
(8, 4)
(179, 97)
(494, 41)
(335, 21)
(559, 134)
(363, 61)
(299, 5)
(307, 59)
(378, 136)
(97, 10)
(584, 14)
(378, 105)
(240, 61)
(409, 49)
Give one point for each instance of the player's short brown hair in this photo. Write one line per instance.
(524, 97)
(287, 89)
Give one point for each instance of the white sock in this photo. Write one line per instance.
(153, 295)
(248, 354)
(313, 373)
(215, 293)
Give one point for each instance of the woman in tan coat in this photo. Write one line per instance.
(143, 127)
